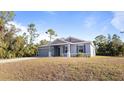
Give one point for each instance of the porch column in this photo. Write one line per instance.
(49, 52)
(49, 49)
(68, 53)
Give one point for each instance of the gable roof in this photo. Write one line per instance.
(71, 40)
(59, 41)
(74, 40)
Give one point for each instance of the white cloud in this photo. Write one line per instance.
(42, 34)
(89, 22)
(20, 26)
(118, 20)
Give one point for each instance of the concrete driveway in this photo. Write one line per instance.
(16, 59)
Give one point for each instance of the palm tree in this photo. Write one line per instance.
(51, 34)
(32, 32)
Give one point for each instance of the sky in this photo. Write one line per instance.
(80, 24)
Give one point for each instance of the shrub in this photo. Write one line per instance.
(80, 54)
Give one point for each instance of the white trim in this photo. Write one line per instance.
(66, 44)
(60, 44)
(81, 43)
(69, 52)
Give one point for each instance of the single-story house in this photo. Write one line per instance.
(68, 47)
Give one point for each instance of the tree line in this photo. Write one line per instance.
(109, 45)
(13, 45)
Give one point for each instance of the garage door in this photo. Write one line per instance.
(43, 52)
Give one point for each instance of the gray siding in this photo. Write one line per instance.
(89, 50)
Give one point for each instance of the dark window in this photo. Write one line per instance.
(66, 49)
(80, 49)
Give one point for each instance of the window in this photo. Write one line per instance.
(81, 48)
(65, 49)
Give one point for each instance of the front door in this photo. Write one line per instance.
(56, 51)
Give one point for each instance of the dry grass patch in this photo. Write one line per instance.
(96, 68)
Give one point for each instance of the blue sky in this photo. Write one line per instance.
(83, 25)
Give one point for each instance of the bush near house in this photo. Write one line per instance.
(80, 54)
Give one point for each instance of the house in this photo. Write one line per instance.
(68, 47)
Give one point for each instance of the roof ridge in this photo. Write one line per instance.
(64, 40)
(74, 38)
(61, 40)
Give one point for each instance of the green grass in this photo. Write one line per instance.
(96, 68)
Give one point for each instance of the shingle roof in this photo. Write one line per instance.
(70, 40)
(74, 40)
(58, 41)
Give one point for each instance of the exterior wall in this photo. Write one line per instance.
(89, 50)
(52, 51)
(92, 49)
(73, 50)
(61, 51)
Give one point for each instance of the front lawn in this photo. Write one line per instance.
(96, 68)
